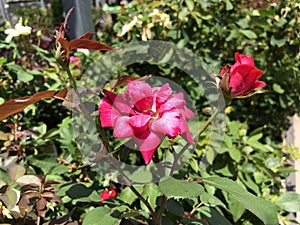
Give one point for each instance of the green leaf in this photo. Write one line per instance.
(81, 193)
(264, 210)
(213, 217)
(172, 187)
(25, 77)
(190, 4)
(278, 42)
(235, 154)
(235, 207)
(128, 196)
(100, 216)
(277, 88)
(211, 200)
(249, 34)
(151, 192)
(229, 5)
(289, 201)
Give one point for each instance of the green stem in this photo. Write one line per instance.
(206, 124)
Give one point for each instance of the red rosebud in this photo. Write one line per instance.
(241, 78)
(106, 194)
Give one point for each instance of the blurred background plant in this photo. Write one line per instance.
(39, 143)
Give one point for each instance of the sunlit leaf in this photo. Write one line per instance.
(172, 187)
(264, 210)
(16, 105)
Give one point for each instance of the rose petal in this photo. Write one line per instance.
(122, 128)
(149, 145)
(145, 104)
(169, 124)
(163, 93)
(257, 84)
(174, 102)
(139, 120)
(137, 90)
(108, 114)
(242, 60)
(186, 132)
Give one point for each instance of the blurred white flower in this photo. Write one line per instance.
(128, 27)
(17, 31)
(158, 16)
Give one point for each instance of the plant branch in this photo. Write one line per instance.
(161, 209)
(152, 212)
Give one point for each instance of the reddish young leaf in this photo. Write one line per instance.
(121, 81)
(88, 44)
(16, 105)
(41, 207)
(24, 205)
(84, 41)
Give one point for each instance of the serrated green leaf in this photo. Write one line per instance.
(172, 187)
(128, 196)
(100, 216)
(151, 192)
(264, 210)
(235, 207)
(211, 200)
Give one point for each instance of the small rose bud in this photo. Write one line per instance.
(107, 194)
(241, 78)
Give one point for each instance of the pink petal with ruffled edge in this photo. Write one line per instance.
(139, 120)
(169, 124)
(162, 93)
(122, 128)
(149, 145)
(137, 90)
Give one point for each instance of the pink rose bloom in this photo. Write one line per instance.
(74, 59)
(147, 115)
(242, 77)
